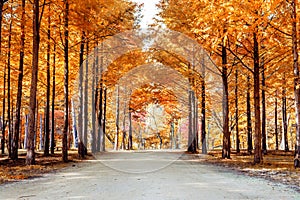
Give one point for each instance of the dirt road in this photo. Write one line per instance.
(145, 175)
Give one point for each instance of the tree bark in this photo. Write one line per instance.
(284, 117)
(9, 142)
(81, 151)
(226, 133)
(130, 130)
(237, 111)
(257, 138)
(66, 82)
(47, 115)
(249, 120)
(104, 119)
(276, 120)
(52, 141)
(296, 75)
(85, 99)
(93, 145)
(263, 103)
(100, 115)
(117, 119)
(30, 157)
(15, 145)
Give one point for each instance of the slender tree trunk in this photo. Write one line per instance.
(4, 82)
(52, 143)
(93, 110)
(191, 138)
(237, 111)
(249, 120)
(75, 135)
(123, 145)
(66, 83)
(81, 147)
(47, 115)
(9, 142)
(30, 157)
(130, 130)
(284, 117)
(226, 133)
(26, 132)
(104, 119)
(85, 99)
(257, 138)
(15, 146)
(3, 112)
(276, 120)
(117, 120)
(263, 103)
(100, 115)
(296, 75)
(203, 113)
(41, 132)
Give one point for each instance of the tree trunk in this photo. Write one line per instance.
(296, 75)
(237, 111)
(81, 151)
(100, 115)
(26, 132)
(123, 145)
(41, 132)
(85, 99)
(75, 136)
(203, 114)
(226, 134)
(117, 119)
(130, 130)
(66, 82)
(15, 145)
(249, 120)
(47, 115)
(4, 82)
(30, 157)
(104, 120)
(52, 143)
(3, 112)
(276, 120)
(284, 118)
(9, 142)
(191, 138)
(257, 138)
(93, 145)
(263, 103)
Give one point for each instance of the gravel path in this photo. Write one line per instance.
(145, 175)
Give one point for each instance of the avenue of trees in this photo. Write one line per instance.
(44, 45)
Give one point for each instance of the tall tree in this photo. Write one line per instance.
(4, 80)
(30, 157)
(226, 133)
(52, 143)
(47, 114)
(296, 73)
(66, 82)
(16, 134)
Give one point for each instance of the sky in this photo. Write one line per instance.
(149, 11)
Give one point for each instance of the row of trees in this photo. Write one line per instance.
(250, 41)
(52, 39)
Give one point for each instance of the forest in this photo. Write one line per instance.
(204, 75)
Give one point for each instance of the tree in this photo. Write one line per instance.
(30, 157)
(66, 82)
(296, 73)
(15, 145)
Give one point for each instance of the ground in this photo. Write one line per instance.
(148, 175)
